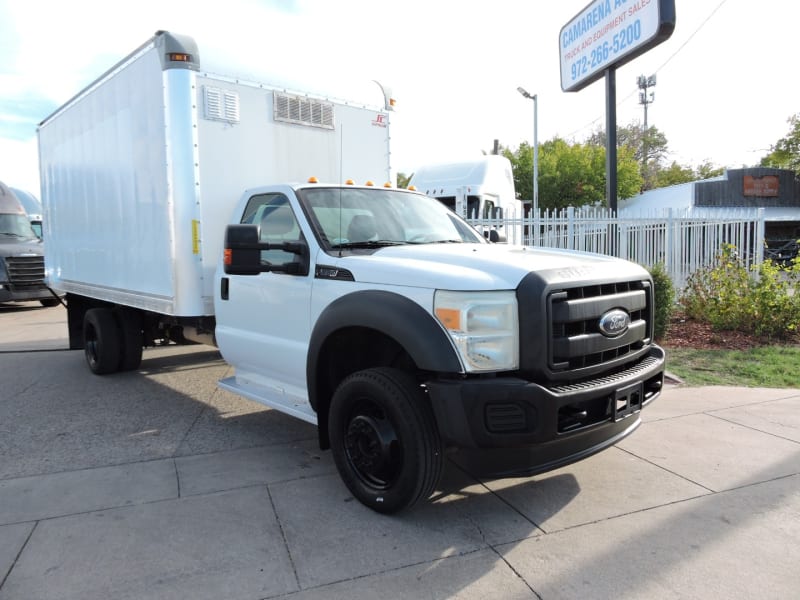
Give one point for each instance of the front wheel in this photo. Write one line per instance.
(384, 439)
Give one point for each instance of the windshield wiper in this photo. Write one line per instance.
(368, 244)
(421, 242)
(12, 234)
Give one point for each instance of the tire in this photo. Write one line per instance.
(48, 302)
(384, 439)
(101, 341)
(131, 340)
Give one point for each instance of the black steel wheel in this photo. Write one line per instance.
(384, 439)
(101, 341)
(132, 338)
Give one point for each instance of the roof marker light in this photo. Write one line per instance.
(179, 57)
(369, 184)
(349, 182)
(313, 179)
(388, 184)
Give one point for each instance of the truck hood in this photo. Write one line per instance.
(13, 246)
(482, 266)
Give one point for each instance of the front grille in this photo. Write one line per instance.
(576, 341)
(25, 272)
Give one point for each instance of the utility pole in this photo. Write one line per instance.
(645, 99)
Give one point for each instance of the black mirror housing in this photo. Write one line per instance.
(243, 248)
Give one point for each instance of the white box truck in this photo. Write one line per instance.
(375, 313)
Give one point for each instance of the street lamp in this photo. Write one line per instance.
(534, 97)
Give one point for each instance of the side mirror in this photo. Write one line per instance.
(243, 253)
(496, 238)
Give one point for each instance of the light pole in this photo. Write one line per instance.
(535, 99)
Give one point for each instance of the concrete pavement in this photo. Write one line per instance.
(157, 484)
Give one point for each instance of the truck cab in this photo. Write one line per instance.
(21, 254)
(386, 320)
(481, 188)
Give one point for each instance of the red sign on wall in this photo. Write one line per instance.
(761, 187)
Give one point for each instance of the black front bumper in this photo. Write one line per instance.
(10, 293)
(507, 426)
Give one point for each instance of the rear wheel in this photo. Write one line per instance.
(384, 439)
(101, 341)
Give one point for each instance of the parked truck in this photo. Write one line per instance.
(186, 205)
(21, 254)
(479, 188)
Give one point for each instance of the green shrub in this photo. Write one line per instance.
(664, 298)
(728, 297)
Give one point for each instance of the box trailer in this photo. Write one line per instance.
(140, 169)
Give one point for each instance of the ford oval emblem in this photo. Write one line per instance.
(614, 323)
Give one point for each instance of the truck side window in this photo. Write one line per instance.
(473, 206)
(277, 223)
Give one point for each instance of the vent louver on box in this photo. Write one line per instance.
(221, 105)
(303, 111)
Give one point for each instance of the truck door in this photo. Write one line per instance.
(263, 327)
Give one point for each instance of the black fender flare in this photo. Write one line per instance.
(396, 316)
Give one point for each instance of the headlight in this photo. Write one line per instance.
(484, 327)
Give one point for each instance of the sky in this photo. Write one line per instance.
(726, 79)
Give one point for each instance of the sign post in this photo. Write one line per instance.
(605, 35)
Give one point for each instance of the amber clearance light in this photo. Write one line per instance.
(179, 57)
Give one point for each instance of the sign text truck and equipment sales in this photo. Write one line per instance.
(610, 33)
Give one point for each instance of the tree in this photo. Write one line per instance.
(707, 170)
(571, 174)
(632, 136)
(785, 153)
(674, 174)
(649, 148)
(403, 179)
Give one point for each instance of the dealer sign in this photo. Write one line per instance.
(609, 33)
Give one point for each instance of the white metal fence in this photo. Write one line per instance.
(681, 240)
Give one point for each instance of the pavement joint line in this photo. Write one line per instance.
(713, 494)
(420, 563)
(203, 408)
(711, 411)
(499, 497)
(751, 428)
(84, 469)
(671, 472)
(155, 459)
(177, 476)
(171, 499)
(283, 537)
(515, 572)
(19, 554)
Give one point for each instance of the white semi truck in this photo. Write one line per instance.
(375, 313)
(479, 188)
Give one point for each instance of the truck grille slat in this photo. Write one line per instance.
(25, 272)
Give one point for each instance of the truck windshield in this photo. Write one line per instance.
(369, 218)
(15, 225)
